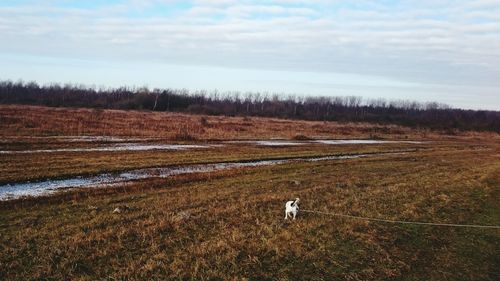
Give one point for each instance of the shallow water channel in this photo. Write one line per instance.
(114, 147)
(47, 187)
(134, 146)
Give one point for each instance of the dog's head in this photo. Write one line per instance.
(297, 200)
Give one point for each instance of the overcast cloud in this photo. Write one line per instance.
(442, 50)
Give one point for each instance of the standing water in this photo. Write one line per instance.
(47, 187)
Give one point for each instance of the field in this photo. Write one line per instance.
(18, 120)
(228, 224)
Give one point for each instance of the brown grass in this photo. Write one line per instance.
(39, 166)
(229, 225)
(16, 120)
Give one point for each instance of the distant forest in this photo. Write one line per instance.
(344, 109)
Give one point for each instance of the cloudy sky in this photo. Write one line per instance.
(425, 50)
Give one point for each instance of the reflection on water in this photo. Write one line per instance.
(115, 147)
(17, 190)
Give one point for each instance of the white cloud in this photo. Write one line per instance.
(443, 42)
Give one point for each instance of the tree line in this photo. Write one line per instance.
(336, 108)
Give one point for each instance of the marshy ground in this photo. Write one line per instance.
(229, 224)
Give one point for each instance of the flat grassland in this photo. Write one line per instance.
(16, 120)
(228, 225)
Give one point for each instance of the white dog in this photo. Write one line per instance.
(292, 208)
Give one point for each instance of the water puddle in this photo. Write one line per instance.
(115, 147)
(131, 146)
(76, 138)
(92, 138)
(18, 190)
(329, 142)
(270, 142)
(361, 141)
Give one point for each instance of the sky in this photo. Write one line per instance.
(425, 50)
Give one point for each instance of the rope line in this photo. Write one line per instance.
(403, 222)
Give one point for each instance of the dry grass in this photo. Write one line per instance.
(229, 225)
(39, 166)
(16, 120)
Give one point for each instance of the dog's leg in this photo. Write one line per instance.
(286, 215)
(294, 214)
